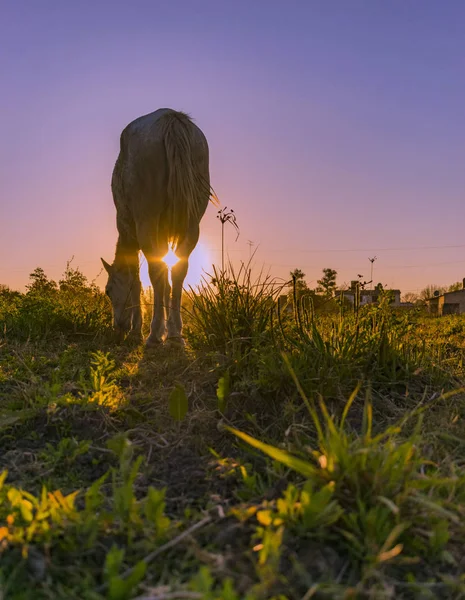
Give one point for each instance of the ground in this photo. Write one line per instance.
(317, 463)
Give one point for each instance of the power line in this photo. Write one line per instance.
(306, 266)
(322, 250)
(387, 249)
(440, 264)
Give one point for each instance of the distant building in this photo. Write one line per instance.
(406, 305)
(368, 296)
(450, 303)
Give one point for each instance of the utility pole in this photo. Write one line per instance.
(372, 260)
(250, 244)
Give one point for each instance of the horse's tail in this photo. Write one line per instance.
(187, 191)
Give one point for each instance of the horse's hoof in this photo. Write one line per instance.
(135, 338)
(175, 341)
(153, 343)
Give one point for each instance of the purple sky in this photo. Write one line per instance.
(336, 129)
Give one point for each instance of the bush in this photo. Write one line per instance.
(231, 313)
(73, 306)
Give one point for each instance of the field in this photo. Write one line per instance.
(289, 454)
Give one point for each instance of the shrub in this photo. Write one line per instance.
(230, 313)
(73, 306)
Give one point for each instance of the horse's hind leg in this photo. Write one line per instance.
(167, 297)
(178, 274)
(158, 273)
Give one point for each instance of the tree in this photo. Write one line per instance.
(40, 283)
(327, 284)
(298, 280)
(428, 292)
(297, 274)
(73, 279)
(7, 293)
(410, 297)
(455, 287)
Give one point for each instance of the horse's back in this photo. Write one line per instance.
(142, 172)
(146, 132)
(144, 129)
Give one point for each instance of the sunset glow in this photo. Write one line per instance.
(170, 259)
(200, 262)
(324, 152)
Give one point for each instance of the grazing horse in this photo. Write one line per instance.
(161, 189)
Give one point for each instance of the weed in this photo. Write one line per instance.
(374, 496)
(230, 313)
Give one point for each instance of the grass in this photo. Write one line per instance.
(283, 454)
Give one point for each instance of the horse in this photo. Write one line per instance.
(161, 190)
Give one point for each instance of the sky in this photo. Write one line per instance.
(336, 130)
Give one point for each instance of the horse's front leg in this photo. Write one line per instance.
(136, 320)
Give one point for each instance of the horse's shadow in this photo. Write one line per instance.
(166, 360)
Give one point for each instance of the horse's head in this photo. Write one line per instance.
(122, 286)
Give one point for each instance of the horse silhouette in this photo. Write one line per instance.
(161, 189)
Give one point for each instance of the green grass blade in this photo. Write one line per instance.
(296, 464)
(349, 403)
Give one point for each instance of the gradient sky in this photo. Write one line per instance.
(336, 129)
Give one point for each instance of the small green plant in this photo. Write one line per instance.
(204, 584)
(65, 453)
(55, 523)
(178, 402)
(29, 519)
(223, 391)
(125, 503)
(373, 493)
(120, 588)
(103, 389)
(250, 484)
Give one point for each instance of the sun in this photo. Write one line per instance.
(199, 262)
(170, 259)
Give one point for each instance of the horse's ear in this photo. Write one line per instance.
(106, 265)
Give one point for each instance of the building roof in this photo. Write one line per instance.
(446, 294)
(366, 292)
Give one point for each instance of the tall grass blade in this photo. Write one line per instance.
(349, 403)
(296, 464)
(310, 408)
